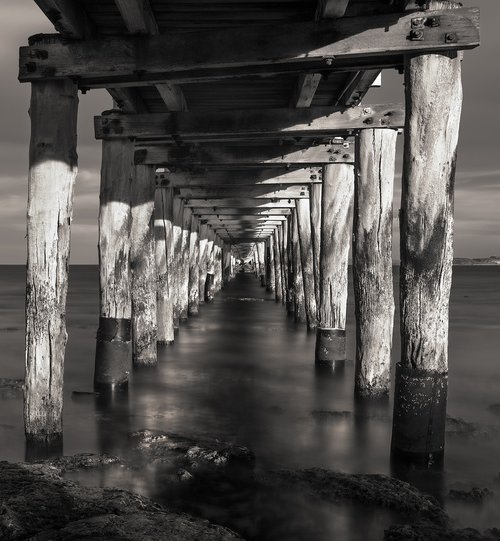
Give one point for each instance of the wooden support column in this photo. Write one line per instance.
(53, 164)
(164, 262)
(217, 265)
(303, 214)
(270, 276)
(184, 264)
(143, 267)
(194, 267)
(175, 274)
(426, 222)
(281, 240)
(315, 202)
(299, 304)
(278, 279)
(372, 260)
(285, 243)
(204, 248)
(226, 276)
(336, 226)
(262, 265)
(113, 350)
(210, 276)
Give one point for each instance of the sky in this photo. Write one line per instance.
(477, 196)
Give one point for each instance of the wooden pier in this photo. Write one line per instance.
(241, 131)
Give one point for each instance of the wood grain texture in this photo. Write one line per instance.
(372, 260)
(184, 264)
(194, 267)
(303, 214)
(164, 262)
(336, 227)
(203, 261)
(53, 165)
(278, 273)
(177, 235)
(315, 204)
(298, 280)
(244, 50)
(270, 269)
(143, 266)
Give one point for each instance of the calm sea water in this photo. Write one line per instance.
(243, 372)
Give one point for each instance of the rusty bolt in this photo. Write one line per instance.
(450, 37)
(366, 110)
(417, 35)
(332, 159)
(433, 22)
(368, 121)
(417, 22)
(329, 61)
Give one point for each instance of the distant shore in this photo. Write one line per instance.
(492, 260)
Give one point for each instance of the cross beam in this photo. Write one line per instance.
(320, 121)
(259, 192)
(241, 202)
(354, 42)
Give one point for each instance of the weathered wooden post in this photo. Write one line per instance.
(53, 164)
(210, 275)
(143, 266)
(426, 222)
(287, 274)
(270, 277)
(184, 264)
(194, 267)
(336, 216)
(262, 265)
(372, 260)
(281, 244)
(299, 304)
(217, 264)
(204, 249)
(303, 214)
(175, 273)
(164, 261)
(226, 276)
(278, 288)
(315, 203)
(113, 350)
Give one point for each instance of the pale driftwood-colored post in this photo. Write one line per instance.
(226, 274)
(217, 265)
(164, 261)
(431, 136)
(315, 203)
(184, 264)
(262, 263)
(210, 276)
(53, 166)
(372, 260)
(336, 226)
(280, 233)
(303, 214)
(194, 267)
(278, 288)
(204, 247)
(113, 351)
(298, 280)
(270, 278)
(175, 274)
(143, 266)
(286, 267)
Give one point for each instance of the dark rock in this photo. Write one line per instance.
(473, 495)
(37, 503)
(428, 531)
(459, 428)
(372, 489)
(83, 461)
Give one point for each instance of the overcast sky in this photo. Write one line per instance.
(477, 201)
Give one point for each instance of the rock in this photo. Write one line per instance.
(184, 475)
(11, 388)
(473, 495)
(83, 461)
(459, 428)
(372, 489)
(37, 503)
(428, 531)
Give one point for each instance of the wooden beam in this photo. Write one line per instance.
(241, 202)
(249, 49)
(68, 17)
(129, 101)
(305, 89)
(260, 192)
(172, 96)
(239, 211)
(253, 177)
(320, 121)
(356, 87)
(268, 155)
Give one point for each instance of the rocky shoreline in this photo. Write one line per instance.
(39, 503)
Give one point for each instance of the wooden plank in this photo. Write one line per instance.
(138, 16)
(129, 101)
(239, 211)
(331, 9)
(241, 202)
(172, 96)
(241, 51)
(356, 87)
(254, 177)
(307, 84)
(268, 155)
(68, 17)
(320, 121)
(260, 192)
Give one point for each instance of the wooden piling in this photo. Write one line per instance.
(262, 263)
(278, 287)
(303, 214)
(143, 267)
(209, 292)
(53, 164)
(426, 222)
(336, 220)
(270, 276)
(175, 273)
(281, 244)
(194, 267)
(315, 204)
(204, 248)
(372, 260)
(299, 304)
(113, 350)
(184, 264)
(164, 261)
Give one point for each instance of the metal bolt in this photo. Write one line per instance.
(417, 35)
(345, 156)
(433, 22)
(329, 61)
(366, 110)
(450, 37)
(417, 22)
